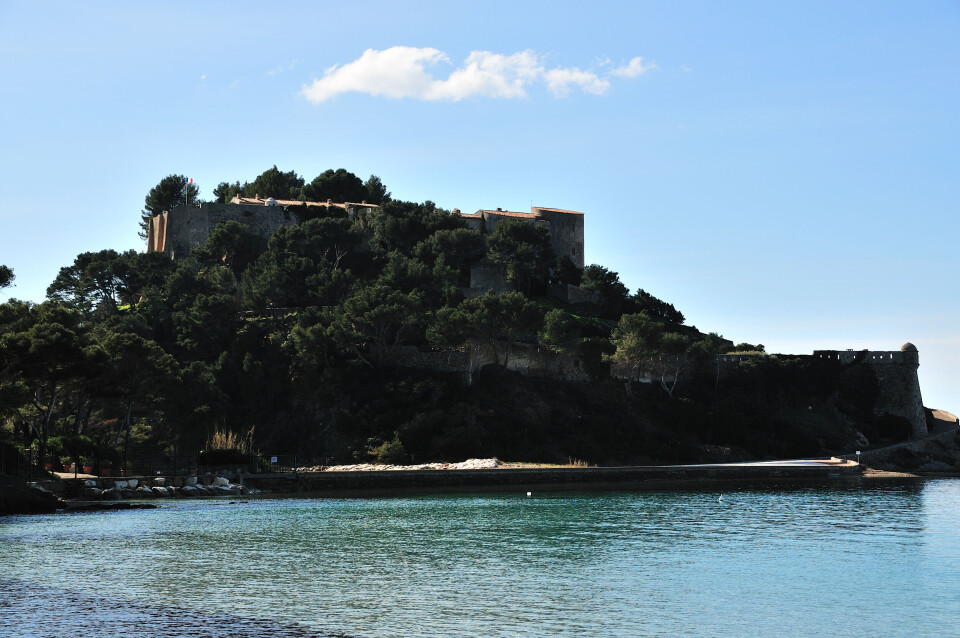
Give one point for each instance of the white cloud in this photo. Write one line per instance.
(405, 72)
(395, 72)
(203, 77)
(560, 80)
(634, 68)
(487, 74)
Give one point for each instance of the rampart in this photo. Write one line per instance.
(180, 230)
(896, 372)
(897, 377)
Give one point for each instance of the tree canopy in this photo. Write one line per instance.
(329, 339)
(523, 250)
(6, 276)
(172, 191)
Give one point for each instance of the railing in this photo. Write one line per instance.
(192, 465)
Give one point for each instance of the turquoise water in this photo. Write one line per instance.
(858, 558)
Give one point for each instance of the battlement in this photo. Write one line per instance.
(907, 355)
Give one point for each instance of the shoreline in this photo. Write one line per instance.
(511, 477)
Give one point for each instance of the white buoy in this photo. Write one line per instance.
(529, 493)
(720, 500)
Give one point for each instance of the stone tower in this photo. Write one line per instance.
(900, 388)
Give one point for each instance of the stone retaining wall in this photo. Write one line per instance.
(634, 477)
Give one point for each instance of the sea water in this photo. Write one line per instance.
(851, 558)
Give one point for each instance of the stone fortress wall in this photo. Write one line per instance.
(178, 231)
(897, 375)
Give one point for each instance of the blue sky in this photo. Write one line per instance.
(784, 173)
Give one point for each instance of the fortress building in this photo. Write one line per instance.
(897, 377)
(566, 227)
(178, 231)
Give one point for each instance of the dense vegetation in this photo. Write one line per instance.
(290, 343)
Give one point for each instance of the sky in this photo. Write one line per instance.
(783, 173)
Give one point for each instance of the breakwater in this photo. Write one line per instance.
(654, 477)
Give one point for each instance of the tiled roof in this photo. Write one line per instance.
(507, 213)
(558, 210)
(530, 215)
(295, 202)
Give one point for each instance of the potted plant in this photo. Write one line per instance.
(67, 463)
(87, 464)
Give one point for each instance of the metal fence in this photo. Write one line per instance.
(193, 465)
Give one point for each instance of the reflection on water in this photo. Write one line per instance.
(850, 558)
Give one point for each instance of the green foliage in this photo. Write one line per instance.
(274, 183)
(660, 310)
(6, 276)
(231, 244)
(561, 331)
(302, 266)
(457, 248)
(224, 192)
(509, 317)
(523, 250)
(377, 319)
(376, 191)
(747, 347)
(604, 281)
(566, 272)
(338, 186)
(636, 338)
(389, 452)
(172, 191)
(401, 226)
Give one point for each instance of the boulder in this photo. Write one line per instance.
(120, 485)
(191, 481)
(144, 492)
(160, 481)
(221, 481)
(934, 466)
(111, 494)
(89, 483)
(189, 490)
(92, 492)
(132, 483)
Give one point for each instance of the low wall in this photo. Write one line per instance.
(633, 477)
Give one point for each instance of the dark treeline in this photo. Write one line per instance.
(289, 344)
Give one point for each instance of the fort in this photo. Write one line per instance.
(180, 230)
(897, 379)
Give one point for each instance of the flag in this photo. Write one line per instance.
(189, 180)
